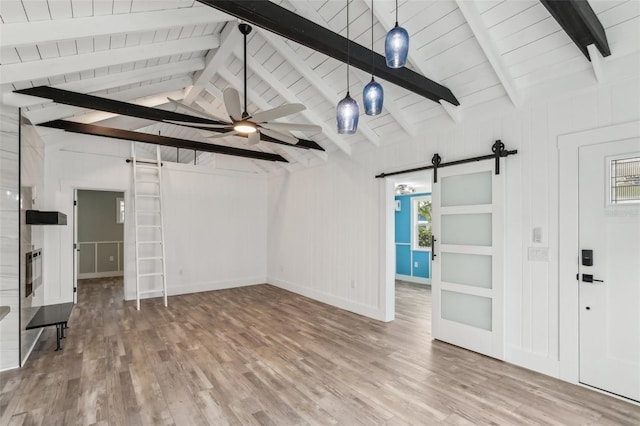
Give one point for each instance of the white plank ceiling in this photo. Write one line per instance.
(143, 51)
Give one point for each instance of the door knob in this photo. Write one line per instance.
(588, 278)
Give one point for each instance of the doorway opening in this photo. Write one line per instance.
(408, 253)
(99, 238)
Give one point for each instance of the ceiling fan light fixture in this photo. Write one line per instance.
(244, 126)
(396, 45)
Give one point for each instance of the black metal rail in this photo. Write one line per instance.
(497, 148)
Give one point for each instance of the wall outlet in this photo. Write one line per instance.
(415, 264)
(538, 254)
(110, 258)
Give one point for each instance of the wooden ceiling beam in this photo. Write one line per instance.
(110, 132)
(285, 23)
(45, 68)
(44, 32)
(580, 22)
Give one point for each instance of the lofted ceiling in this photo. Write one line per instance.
(142, 51)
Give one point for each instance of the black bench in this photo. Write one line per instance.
(57, 315)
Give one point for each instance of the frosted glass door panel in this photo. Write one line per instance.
(468, 269)
(466, 229)
(466, 190)
(467, 309)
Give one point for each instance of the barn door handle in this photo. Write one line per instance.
(433, 249)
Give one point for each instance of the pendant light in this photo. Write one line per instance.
(396, 45)
(373, 94)
(347, 112)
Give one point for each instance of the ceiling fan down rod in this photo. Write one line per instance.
(245, 29)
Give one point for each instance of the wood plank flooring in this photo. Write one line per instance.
(262, 355)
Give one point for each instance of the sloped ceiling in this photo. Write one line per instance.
(143, 51)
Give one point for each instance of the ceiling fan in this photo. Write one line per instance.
(250, 125)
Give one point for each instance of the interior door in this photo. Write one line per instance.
(609, 286)
(467, 282)
(76, 247)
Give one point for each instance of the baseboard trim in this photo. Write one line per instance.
(532, 361)
(179, 289)
(339, 302)
(100, 275)
(412, 279)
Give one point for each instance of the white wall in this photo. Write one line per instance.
(32, 236)
(326, 223)
(9, 237)
(215, 220)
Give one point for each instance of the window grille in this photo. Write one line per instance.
(625, 180)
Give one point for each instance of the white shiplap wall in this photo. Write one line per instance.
(324, 221)
(9, 237)
(215, 219)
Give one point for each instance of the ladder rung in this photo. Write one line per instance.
(151, 274)
(147, 196)
(147, 211)
(147, 181)
(148, 226)
(147, 166)
(152, 291)
(151, 258)
(149, 242)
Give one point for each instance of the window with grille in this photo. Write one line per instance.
(625, 180)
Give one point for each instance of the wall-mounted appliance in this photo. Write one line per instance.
(33, 271)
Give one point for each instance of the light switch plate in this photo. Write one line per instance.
(538, 254)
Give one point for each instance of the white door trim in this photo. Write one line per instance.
(568, 146)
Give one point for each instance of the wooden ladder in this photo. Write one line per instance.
(151, 273)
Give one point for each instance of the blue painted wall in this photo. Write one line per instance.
(405, 257)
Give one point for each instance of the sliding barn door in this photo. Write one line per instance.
(467, 284)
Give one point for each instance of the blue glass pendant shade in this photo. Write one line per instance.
(347, 114)
(396, 47)
(372, 98)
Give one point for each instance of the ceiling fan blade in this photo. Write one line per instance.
(202, 125)
(187, 107)
(232, 103)
(277, 112)
(254, 138)
(223, 135)
(203, 114)
(292, 126)
(280, 136)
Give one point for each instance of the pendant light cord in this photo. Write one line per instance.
(396, 13)
(373, 65)
(348, 52)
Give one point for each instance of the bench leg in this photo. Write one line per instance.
(58, 335)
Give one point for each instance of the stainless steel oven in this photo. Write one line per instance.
(33, 271)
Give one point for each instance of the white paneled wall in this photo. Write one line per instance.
(324, 221)
(215, 220)
(9, 238)
(31, 236)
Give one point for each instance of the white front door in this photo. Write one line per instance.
(609, 289)
(467, 282)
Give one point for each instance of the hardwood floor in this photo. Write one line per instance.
(261, 355)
